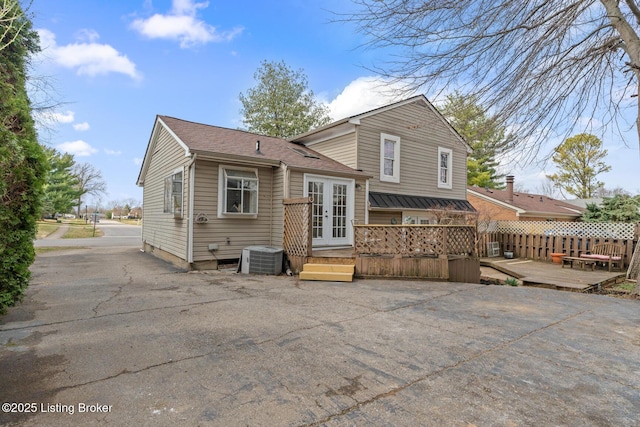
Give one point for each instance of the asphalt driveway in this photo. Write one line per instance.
(113, 336)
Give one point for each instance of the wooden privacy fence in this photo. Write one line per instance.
(410, 240)
(541, 243)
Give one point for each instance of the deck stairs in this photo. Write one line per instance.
(328, 272)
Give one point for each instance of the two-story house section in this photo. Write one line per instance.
(417, 161)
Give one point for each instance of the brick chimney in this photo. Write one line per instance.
(509, 189)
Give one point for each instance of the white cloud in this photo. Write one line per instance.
(364, 94)
(50, 119)
(81, 127)
(137, 161)
(112, 152)
(58, 117)
(87, 58)
(77, 148)
(182, 24)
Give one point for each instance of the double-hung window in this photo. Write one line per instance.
(173, 193)
(238, 192)
(389, 158)
(444, 167)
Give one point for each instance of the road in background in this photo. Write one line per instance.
(115, 234)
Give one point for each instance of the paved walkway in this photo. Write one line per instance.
(58, 233)
(114, 336)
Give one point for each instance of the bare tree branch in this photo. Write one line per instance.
(539, 65)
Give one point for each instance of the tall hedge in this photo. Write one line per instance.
(22, 162)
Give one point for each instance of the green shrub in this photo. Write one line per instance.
(511, 281)
(22, 162)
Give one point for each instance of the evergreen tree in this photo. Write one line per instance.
(61, 187)
(619, 208)
(281, 105)
(488, 139)
(22, 163)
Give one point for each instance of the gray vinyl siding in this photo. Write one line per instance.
(296, 184)
(277, 220)
(421, 132)
(231, 234)
(361, 204)
(341, 149)
(385, 217)
(161, 229)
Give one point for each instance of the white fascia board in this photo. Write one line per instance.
(151, 148)
(187, 152)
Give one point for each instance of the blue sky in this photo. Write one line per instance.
(115, 64)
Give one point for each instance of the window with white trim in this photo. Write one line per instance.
(444, 167)
(238, 192)
(173, 193)
(389, 158)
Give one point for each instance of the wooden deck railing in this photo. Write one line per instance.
(409, 240)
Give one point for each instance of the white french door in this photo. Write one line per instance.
(332, 209)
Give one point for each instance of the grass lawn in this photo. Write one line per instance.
(81, 230)
(624, 286)
(44, 228)
(46, 249)
(78, 229)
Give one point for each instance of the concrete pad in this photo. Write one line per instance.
(129, 340)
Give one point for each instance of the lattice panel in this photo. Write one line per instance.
(461, 240)
(297, 227)
(556, 228)
(414, 240)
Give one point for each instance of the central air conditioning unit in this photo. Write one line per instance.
(261, 260)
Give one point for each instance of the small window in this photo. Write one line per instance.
(238, 192)
(444, 167)
(389, 158)
(173, 194)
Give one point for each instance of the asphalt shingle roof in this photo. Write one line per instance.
(531, 202)
(210, 139)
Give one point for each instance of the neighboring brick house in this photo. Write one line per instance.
(507, 204)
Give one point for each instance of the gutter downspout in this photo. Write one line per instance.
(271, 208)
(192, 174)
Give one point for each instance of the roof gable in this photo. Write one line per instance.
(355, 120)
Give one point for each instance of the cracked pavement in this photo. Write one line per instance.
(117, 327)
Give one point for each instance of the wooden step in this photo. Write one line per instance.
(328, 272)
(331, 268)
(327, 276)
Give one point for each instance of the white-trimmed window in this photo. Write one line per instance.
(444, 167)
(389, 158)
(238, 192)
(173, 193)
